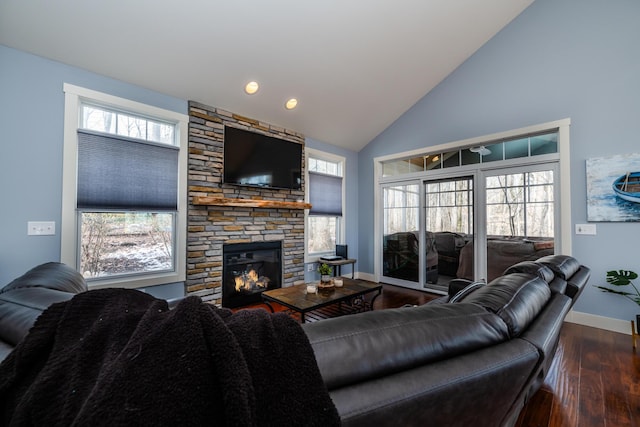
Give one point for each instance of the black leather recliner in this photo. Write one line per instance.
(25, 298)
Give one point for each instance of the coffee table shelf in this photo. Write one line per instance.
(298, 300)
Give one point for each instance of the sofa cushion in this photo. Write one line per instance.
(356, 348)
(532, 267)
(463, 293)
(556, 284)
(563, 266)
(20, 308)
(5, 349)
(52, 275)
(517, 298)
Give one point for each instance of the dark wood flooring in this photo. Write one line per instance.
(594, 380)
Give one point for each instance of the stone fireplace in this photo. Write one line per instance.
(221, 214)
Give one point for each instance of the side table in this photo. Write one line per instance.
(339, 263)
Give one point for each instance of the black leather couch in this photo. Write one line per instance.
(473, 357)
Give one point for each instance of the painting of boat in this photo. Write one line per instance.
(627, 187)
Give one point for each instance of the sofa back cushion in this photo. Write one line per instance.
(20, 308)
(51, 275)
(563, 266)
(556, 284)
(532, 267)
(517, 298)
(466, 291)
(369, 345)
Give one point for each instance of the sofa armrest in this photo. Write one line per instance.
(456, 285)
(51, 275)
(577, 282)
(20, 308)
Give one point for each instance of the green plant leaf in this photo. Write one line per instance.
(613, 291)
(621, 277)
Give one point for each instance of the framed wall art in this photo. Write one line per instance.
(613, 188)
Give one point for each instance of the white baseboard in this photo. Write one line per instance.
(364, 276)
(600, 322)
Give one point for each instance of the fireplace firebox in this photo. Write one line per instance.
(249, 269)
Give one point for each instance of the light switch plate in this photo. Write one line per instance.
(586, 229)
(41, 228)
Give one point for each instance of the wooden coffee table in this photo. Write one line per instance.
(297, 299)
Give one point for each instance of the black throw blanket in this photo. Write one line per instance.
(121, 357)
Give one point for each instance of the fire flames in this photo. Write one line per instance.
(249, 281)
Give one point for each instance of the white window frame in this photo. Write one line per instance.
(69, 253)
(341, 221)
(563, 236)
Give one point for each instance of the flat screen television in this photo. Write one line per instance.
(258, 160)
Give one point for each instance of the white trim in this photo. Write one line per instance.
(366, 276)
(123, 103)
(342, 161)
(600, 322)
(68, 236)
(478, 140)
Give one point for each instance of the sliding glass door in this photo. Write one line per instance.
(449, 218)
(401, 234)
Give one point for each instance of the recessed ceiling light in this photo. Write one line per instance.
(291, 104)
(251, 87)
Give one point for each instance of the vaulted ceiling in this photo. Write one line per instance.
(355, 66)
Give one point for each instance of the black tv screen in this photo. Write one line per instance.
(254, 159)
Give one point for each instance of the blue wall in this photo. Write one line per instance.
(574, 59)
(31, 119)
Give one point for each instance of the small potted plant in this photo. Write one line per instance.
(325, 272)
(622, 278)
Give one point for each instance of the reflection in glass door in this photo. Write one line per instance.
(520, 217)
(449, 224)
(401, 240)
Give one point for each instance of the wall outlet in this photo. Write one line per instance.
(586, 229)
(41, 228)
(311, 267)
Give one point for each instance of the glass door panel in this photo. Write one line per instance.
(520, 218)
(401, 242)
(449, 224)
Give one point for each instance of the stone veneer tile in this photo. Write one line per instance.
(209, 227)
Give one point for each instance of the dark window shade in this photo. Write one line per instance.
(325, 194)
(120, 173)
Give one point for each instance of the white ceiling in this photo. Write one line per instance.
(354, 65)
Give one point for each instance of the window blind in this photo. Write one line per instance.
(325, 194)
(122, 173)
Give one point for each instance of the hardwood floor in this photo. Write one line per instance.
(594, 380)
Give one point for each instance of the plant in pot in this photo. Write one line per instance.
(619, 279)
(325, 272)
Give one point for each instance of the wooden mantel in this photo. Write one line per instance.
(248, 203)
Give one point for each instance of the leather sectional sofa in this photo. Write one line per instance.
(473, 357)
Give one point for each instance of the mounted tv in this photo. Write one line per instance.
(263, 161)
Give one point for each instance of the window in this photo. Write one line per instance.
(124, 219)
(536, 144)
(325, 192)
(521, 204)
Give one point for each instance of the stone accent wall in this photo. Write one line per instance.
(209, 227)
